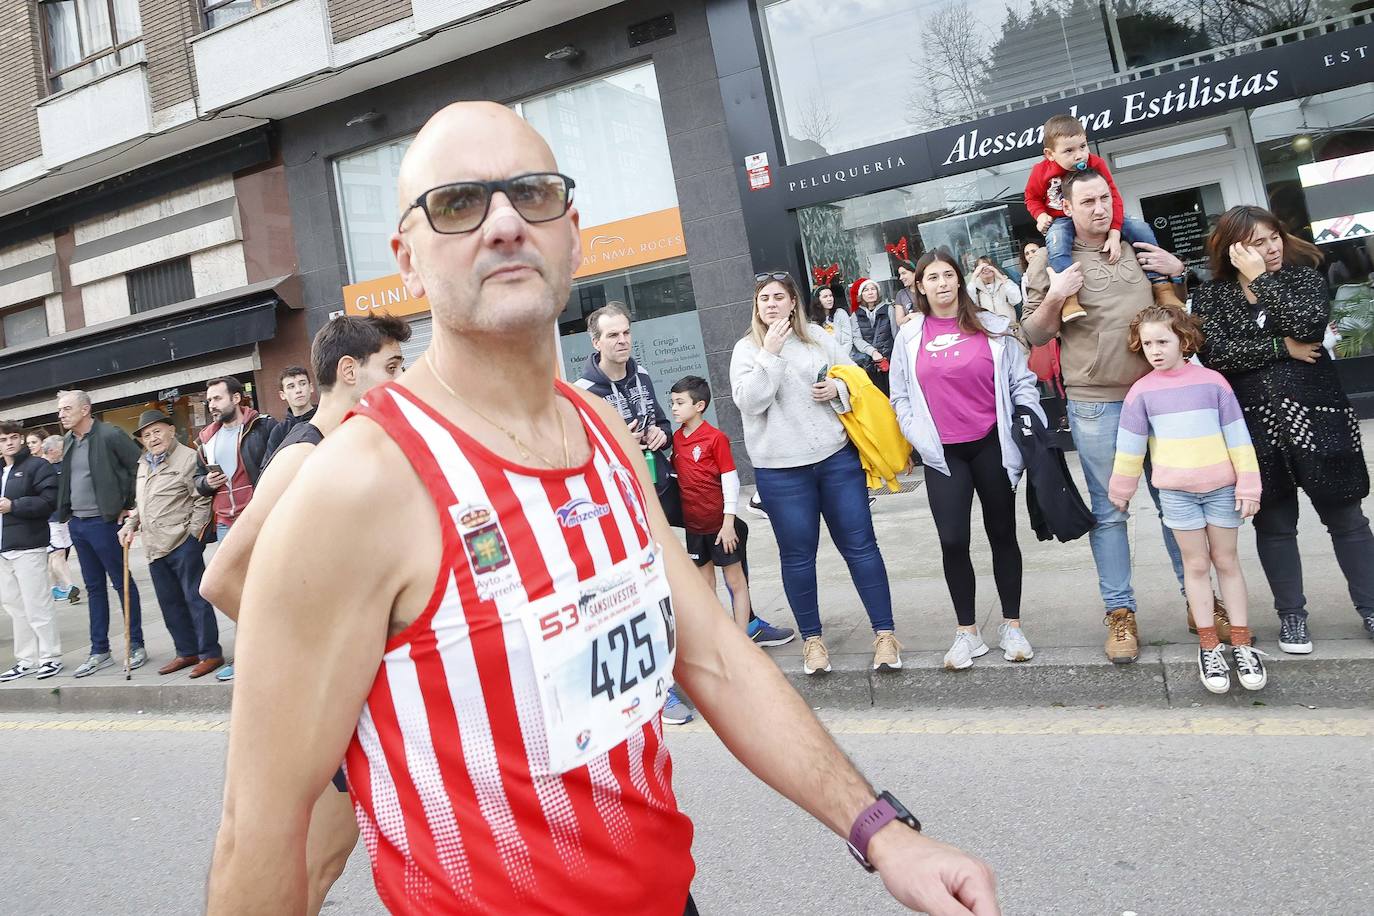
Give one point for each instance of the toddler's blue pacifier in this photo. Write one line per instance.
(1081, 166)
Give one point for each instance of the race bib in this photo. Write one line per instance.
(603, 656)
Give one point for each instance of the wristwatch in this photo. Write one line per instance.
(874, 818)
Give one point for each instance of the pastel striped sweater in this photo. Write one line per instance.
(1191, 423)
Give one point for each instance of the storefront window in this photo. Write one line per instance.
(666, 331)
(1317, 157)
(367, 201)
(609, 135)
(848, 75)
(1151, 31)
(974, 214)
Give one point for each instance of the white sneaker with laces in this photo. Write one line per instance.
(1213, 669)
(1014, 644)
(1249, 669)
(967, 646)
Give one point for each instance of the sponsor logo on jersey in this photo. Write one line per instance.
(579, 511)
(487, 550)
(583, 739)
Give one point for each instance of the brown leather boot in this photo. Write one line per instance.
(1123, 642)
(1071, 311)
(1164, 295)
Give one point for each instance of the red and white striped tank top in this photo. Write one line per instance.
(449, 768)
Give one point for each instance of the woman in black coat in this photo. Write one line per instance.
(1264, 316)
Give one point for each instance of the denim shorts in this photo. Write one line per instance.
(1194, 511)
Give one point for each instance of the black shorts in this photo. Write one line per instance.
(703, 549)
(340, 781)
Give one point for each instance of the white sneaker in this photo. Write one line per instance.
(756, 506)
(1015, 646)
(967, 646)
(1249, 669)
(1213, 669)
(93, 664)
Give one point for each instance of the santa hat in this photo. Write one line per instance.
(857, 287)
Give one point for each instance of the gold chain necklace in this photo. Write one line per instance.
(525, 451)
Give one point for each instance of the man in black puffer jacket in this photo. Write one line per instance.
(28, 495)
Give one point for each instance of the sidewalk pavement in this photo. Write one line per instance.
(1061, 613)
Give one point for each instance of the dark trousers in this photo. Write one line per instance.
(798, 498)
(97, 548)
(1276, 537)
(691, 909)
(976, 467)
(189, 618)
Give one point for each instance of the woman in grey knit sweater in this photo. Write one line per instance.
(804, 464)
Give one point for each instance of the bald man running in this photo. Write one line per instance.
(495, 612)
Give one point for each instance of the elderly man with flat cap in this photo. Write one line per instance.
(172, 516)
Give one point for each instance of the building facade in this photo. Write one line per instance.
(870, 122)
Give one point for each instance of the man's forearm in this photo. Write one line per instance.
(261, 874)
(773, 732)
(1042, 325)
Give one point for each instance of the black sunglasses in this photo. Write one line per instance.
(462, 206)
(781, 275)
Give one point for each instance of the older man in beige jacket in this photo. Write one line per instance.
(172, 516)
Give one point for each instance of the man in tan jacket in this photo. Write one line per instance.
(1098, 371)
(172, 517)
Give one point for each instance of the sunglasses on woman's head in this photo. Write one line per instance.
(780, 276)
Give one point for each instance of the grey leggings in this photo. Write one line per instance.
(1276, 537)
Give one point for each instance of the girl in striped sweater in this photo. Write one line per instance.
(1204, 465)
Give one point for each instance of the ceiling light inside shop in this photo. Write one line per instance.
(1302, 143)
(367, 117)
(1172, 151)
(567, 53)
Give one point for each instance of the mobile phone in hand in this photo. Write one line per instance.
(213, 469)
(821, 376)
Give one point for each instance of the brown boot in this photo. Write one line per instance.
(1123, 643)
(1071, 311)
(1164, 295)
(1222, 620)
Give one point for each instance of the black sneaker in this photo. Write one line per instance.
(1213, 669)
(1293, 636)
(1249, 667)
(74, 596)
(15, 673)
(1368, 625)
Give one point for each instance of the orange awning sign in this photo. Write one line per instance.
(630, 242)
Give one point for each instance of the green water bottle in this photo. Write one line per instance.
(653, 467)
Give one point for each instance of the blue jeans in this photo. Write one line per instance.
(797, 498)
(1059, 242)
(221, 532)
(1093, 425)
(189, 618)
(97, 548)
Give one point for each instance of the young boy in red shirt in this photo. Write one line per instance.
(709, 483)
(1066, 150)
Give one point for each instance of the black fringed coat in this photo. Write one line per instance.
(1305, 432)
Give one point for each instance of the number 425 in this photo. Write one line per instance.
(620, 638)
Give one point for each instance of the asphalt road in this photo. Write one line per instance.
(1255, 812)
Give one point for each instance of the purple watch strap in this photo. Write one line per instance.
(872, 819)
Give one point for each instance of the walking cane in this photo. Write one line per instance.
(128, 637)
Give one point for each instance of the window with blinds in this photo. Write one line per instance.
(161, 284)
